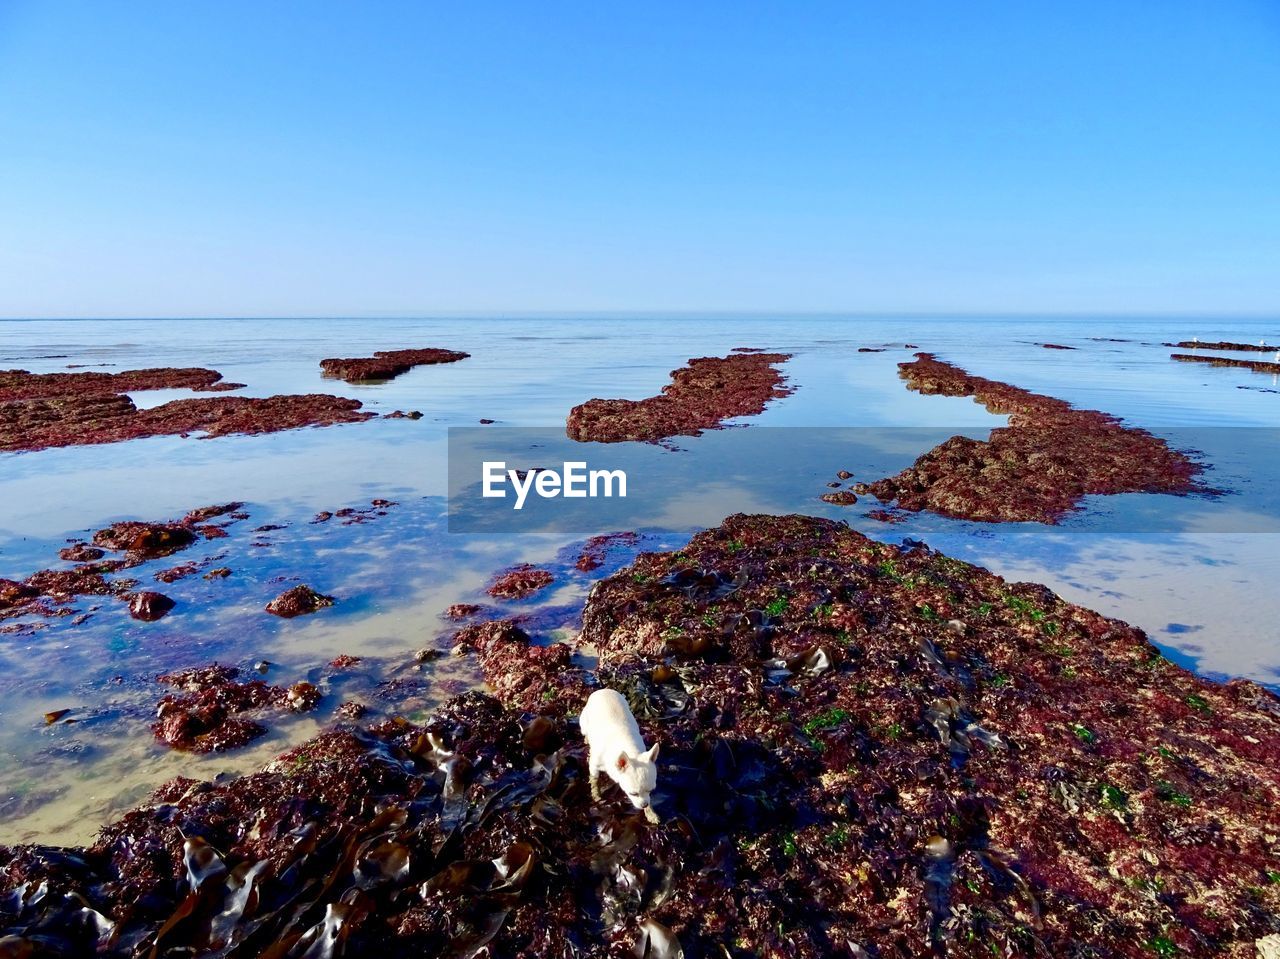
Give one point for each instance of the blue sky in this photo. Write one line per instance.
(227, 158)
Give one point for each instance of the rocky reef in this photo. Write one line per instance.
(386, 364)
(700, 396)
(1036, 469)
(79, 420)
(1257, 366)
(16, 385)
(867, 751)
(1221, 345)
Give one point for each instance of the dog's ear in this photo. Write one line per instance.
(622, 761)
(652, 754)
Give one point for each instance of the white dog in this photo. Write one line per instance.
(615, 747)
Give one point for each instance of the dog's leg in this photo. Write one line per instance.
(593, 773)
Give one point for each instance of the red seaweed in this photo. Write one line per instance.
(520, 582)
(37, 424)
(700, 396)
(1039, 467)
(386, 364)
(866, 750)
(298, 601)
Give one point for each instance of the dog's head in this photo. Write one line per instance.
(636, 775)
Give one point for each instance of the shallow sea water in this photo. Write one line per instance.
(1197, 573)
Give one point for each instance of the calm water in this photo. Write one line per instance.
(1197, 574)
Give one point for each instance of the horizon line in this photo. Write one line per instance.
(576, 314)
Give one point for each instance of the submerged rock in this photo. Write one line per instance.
(700, 396)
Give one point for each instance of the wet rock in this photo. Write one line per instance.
(842, 498)
(298, 601)
(701, 396)
(386, 364)
(344, 661)
(218, 572)
(1036, 469)
(149, 606)
(520, 582)
(844, 475)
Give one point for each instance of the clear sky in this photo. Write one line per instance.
(251, 158)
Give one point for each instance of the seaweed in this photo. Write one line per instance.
(700, 396)
(1039, 467)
